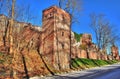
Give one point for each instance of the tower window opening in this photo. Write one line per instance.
(62, 46)
(62, 33)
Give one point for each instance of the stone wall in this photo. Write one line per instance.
(110, 57)
(115, 52)
(74, 52)
(26, 46)
(92, 55)
(86, 39)
(88, 46)
(83, 54)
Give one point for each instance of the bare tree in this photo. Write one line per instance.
(11, 27)
(73, 7)
(24, 13)
(11, 24)
(103, 30)
(1, 5)
(5, 8)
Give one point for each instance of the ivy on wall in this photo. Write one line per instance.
(77, 36)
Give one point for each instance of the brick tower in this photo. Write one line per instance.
(55, 37)
(115, 52)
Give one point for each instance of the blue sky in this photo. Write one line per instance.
(111, 9)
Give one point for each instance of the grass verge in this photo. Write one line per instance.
(81, 63)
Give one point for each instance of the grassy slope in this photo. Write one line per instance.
(80, 63)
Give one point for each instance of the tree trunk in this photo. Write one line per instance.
(70, 47)
(11, 28)
(14, 74)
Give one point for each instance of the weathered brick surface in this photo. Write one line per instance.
(27, 46)
(115, 52)
(86, 39)
(78, 52)
(55, 37)
(92, 55)
(83, 53)
(52, 41)
(110, 57)
(106, 58)
(88, 46)
(74, 52)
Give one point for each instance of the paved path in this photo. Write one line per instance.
(105, 72)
